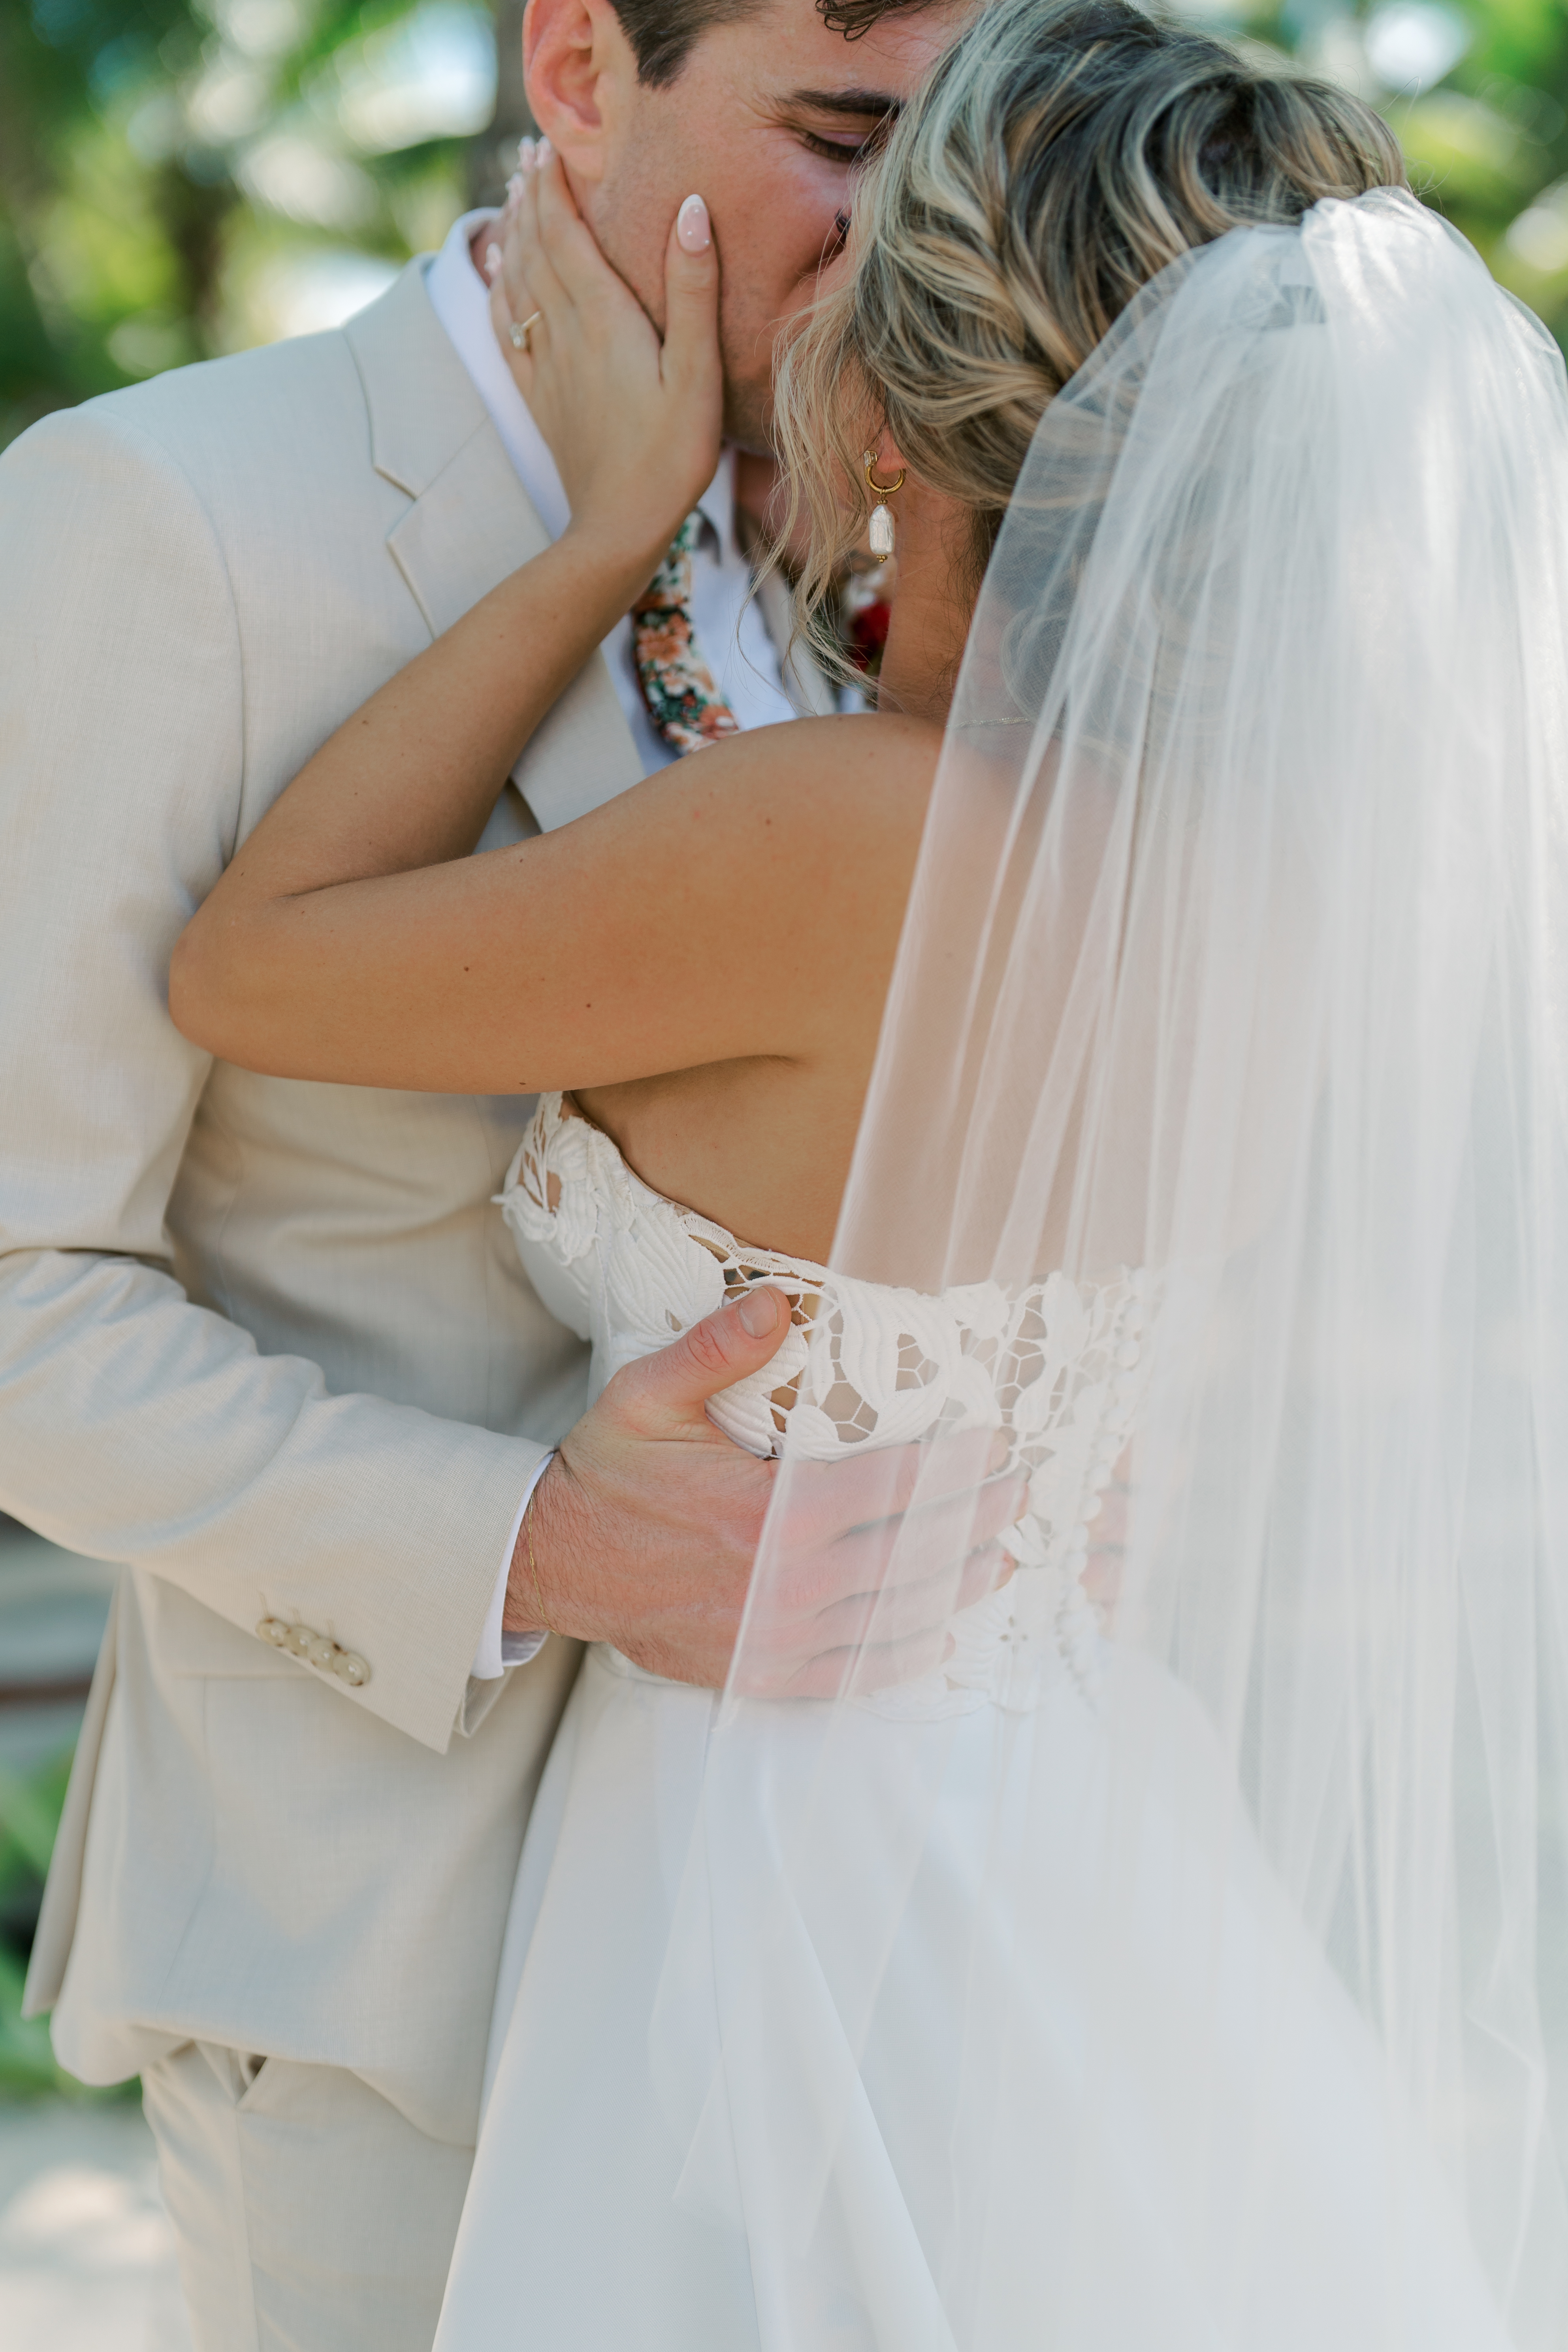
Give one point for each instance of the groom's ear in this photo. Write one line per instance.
(581, 74)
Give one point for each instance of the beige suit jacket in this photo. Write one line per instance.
(265, 1342)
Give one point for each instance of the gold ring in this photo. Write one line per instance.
(883, 490)
(520, 334)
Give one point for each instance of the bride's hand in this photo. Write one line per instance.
(633, 423)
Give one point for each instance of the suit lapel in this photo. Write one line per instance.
(469, 524)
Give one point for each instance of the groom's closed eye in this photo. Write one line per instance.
(845, 126)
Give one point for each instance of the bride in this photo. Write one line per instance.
(1141, 1038)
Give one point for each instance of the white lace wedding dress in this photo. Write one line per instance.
(604, 2216)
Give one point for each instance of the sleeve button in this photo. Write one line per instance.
(273, 1630)
(351, 1668)
(322, 1652)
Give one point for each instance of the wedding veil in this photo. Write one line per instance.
(1233, 965)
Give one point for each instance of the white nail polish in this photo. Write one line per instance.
(525, 153)
(692, 232)
(492, 261)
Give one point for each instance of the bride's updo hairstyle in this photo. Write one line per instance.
(1061, 155)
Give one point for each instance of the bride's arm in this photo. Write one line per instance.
(354, 937)
(721, 909)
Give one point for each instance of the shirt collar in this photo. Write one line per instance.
(460, 299)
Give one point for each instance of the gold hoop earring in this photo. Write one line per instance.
(881, 533)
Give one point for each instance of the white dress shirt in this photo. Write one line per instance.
(730, 629)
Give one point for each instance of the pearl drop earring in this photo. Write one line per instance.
(881, 529)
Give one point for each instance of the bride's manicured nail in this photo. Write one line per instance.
(542, 154)
(691, 230)
(514, 188)
(492, 262)
(526, 151)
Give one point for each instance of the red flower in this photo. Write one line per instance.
(868, 633)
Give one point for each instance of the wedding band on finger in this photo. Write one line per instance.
(520, 334)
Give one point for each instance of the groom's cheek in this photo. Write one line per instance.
(776, 225)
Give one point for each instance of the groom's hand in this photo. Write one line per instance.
(644, 1527)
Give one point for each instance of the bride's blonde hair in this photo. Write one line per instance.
(1062, 154)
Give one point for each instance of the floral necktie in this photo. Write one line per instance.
(678, 686)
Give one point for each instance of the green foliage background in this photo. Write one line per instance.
(172, 170)
(169, 169)
(29, 1815)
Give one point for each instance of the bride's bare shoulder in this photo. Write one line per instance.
(759, 845)
(653, 931)
(843, 798)
(862, 738)
(864, 750)
(830, 785)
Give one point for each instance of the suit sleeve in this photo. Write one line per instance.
(135, 1424)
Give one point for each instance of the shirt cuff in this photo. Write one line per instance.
(499, 1650)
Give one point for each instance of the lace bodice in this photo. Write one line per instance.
(1054, 1365)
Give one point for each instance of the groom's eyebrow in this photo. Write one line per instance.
(857, 105)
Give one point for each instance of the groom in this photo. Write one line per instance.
(265, 1343)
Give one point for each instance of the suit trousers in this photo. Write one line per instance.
(310, 2216)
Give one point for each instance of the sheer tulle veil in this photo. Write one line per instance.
(1234, 961)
